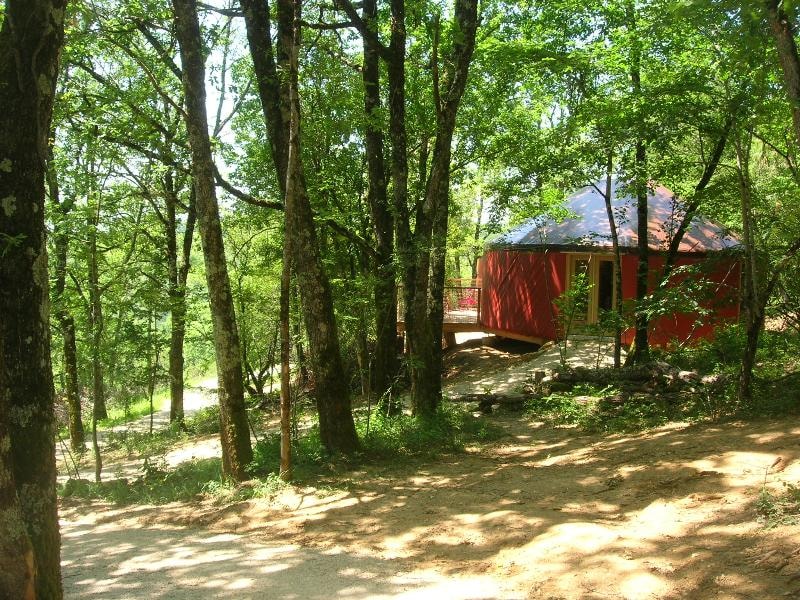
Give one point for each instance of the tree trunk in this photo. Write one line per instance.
(691, 208)
(234, 432)
(476, 238)
(95, 317)
(384, 364)
(783, 32)
(396, 74)
(286, 375)
(65, 320)
(17, 566)
(31, 39)
(425, 330)
(279, 103)
(751, 297)
(178, 271)
(641, 345)
(609, 191)
(336, 426)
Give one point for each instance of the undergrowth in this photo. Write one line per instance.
(776, 377)
(382, 438)
(388, 439)
(156, 485)
(779, 509)
(776, 388)
(595, 408)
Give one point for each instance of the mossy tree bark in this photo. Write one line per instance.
(31, 39)
(234, 430)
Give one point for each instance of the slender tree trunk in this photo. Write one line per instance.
(384, 364)
(96, 316)
(783, 32)
(641, 344)
(279, 102)
(336, 425)
(178, 271)
(425, 331)
(234, 432)
(476, 238)
(31, 39)
(691, 208)
(751, 297)
(65, 320)
(286, 374)
(608, 197)
(396, 73)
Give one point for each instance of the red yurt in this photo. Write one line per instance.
(525, 270)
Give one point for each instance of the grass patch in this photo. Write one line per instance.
(204, 422)
(136, 409)
(144, 443)
(387, 440)
(599, 409)
(449, 430)
(189, 481)
(779, 509)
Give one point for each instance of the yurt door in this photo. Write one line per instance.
(597, 271)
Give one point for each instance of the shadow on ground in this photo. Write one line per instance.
(113, 564)
(545, 513)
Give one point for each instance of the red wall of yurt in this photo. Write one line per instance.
(722, 274)
(519, 287)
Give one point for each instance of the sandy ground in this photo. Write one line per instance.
(541, 513)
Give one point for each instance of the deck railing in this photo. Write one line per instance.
(462, 304)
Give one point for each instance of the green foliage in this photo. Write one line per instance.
(776, 385)
(144, 443)
(386, 439)
(226, 492)
(156, 486)
(449, 430)
(571, 308)
(603, 409)
(779, 509)
(204, 422)
(130, 409)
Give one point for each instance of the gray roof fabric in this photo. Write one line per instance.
(591, 230)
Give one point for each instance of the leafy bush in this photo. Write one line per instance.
(593, 408)
(384, 437)
(779, 509)
(155, 486)
(204, 422)
(449, 430)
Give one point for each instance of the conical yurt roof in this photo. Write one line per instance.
(589, 229)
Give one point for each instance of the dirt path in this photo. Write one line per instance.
(543, 513)
(194, 399)
(113, 562)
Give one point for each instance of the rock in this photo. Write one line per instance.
(689, 376)
(716, 379)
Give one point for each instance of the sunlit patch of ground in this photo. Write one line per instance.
(543, 513)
